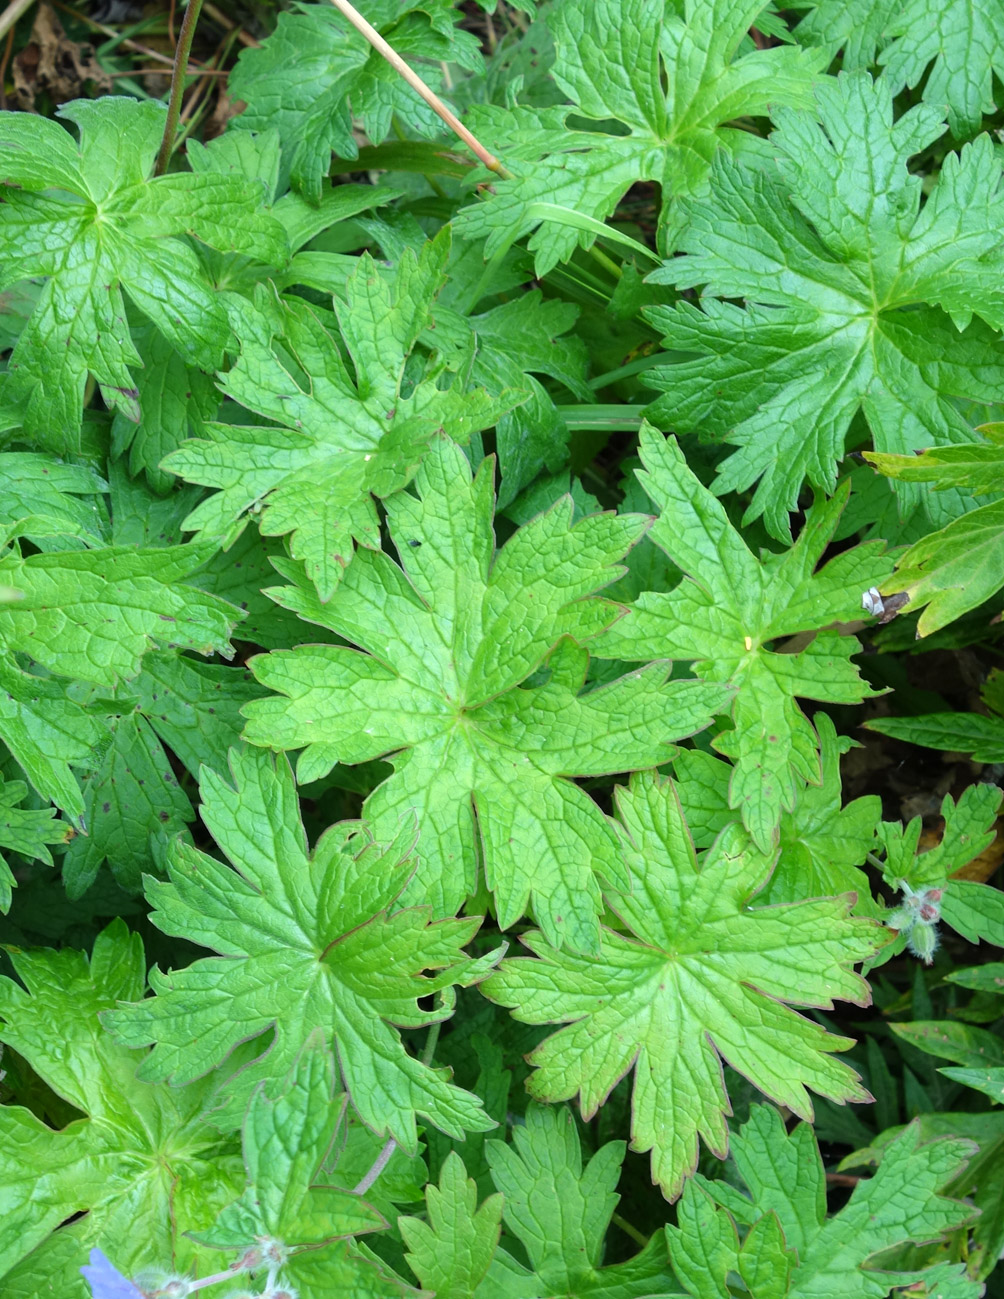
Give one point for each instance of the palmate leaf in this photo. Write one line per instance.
(671, 81)
(699, 976)
(314, 74)
(339, 436)
(791, 1249)
(133, 801)
(91, 218)
(93, 614)
(140, 1154)
(558, 1209)
(289, 1199)
(823, 843)
(445, 640)
(973, 909)
(306, 942)
(727, 614)
(27, 831)
(857, 299)
(961, 41)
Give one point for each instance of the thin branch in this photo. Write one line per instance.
(228, 24)
(124, 41)
(181, 53)
(418, 85)
(12, 13)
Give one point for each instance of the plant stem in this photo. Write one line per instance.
(382, 1159)
(379, 1164)
(12, 13)
(431, 1042)
(629, 1229)
(181, 53)
(418, 85)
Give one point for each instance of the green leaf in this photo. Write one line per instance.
(305, 942)
(981, 737)
(961, 42)
(784, 1176)
(857, 29)
(955, 569)
(961, 1043)
(823, 844)
(669, 82)
(139, 1153)
(194, 707)
(336, 437)
(285, 1142)
(452, 1252)
(132, 802)
(560, 1211)
(699, 977)
(47, 732)
(42, 498)
(857, 299)
(175, 401)
(989, 1081)
(528, 333)
(94, 614)
(727, 615)
(25, 830)
(969, 830)
(445, 641)
(92, 220)
(314, 74)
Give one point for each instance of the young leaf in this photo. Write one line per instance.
(784, 1176)
(699, 977)
(974, 910)
(672, 81)
(314, 74)
(446, 640)
(24, 830)
(306, 942)
(337, 436)
(856, 298)
(823, 844)
(452, 1252)
(728, 612)
(560, 1211)
(141, 1154)
(91, 219)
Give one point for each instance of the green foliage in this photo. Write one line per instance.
(697, 976)
(446, 640)
(670, 82)
(727, 615)
(960, 566)
(91, 220)
(858, 298)
(305, 943)
(538, 498)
